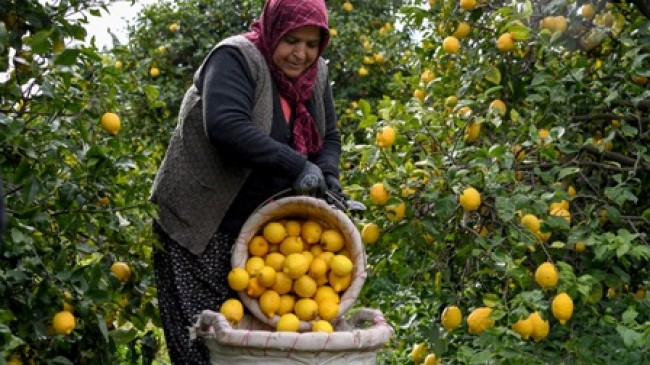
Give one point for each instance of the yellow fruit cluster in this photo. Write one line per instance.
(297, 269)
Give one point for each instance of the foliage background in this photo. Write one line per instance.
(77, 196)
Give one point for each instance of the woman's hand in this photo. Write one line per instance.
(310, 181)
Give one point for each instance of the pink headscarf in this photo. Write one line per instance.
(278, 18)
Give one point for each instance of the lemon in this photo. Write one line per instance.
(396, 212)
(253, 265)
(291, 244)
(580, 247)
(505, 42)
(269, 302)
(419, 352)
(309, 257)
(562, 307)
(427, 76)
(451, 317)
(15, 360)
(238, 279)
(311, 232)
(267, 276)
(523, 327)
(479, 320)
(347, 6)
(318, 268)
(328, 309)
(316, 250)
(305, 286)
(562, 204)
(451, 44)
(531, 222)
(173, 27)
(587, 11)
(118, 64)
(559, 212)
(385, 137)
(306, 309)
(379, 194)
(341, 265)
(640, 294)
(546, 275)
(467, 4)
(470, 199)
(325, 292)
(288, 322)
(326, 256)
(322, 326)
(111, 123)
(154, 72)
(339, 283)
(68, 307)
(63, 323)
(465, 112)
(363, 72)
(498, 105)
(274, 232)
(254, 288)
(431, 359)
(472, 132)
(121, 270)
(333, 32)
(295, 265)
(293, 228)
(332, 240)
(258, 246)
(451, 101)
(543, 134)
(287, 301)
(571, 191)
(462, 30)
(370, 233)
(275, 260)
(541, 327)
(283, 283)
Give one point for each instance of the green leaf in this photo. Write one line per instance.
(40, 42)
(493, 74)
(67, 58)
(491, 300)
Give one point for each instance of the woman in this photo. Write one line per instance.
(258, 120)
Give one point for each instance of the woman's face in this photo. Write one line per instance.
(297, 50)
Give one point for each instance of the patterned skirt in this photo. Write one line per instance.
(188, 284)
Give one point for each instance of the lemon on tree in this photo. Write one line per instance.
(498, 105)
(419, 352)
(379, 193)
(505, 42)
(121, 270)
(347, 6)
(531, 222)
(479, 320)
(470, 199)
(370, 233)
(462, 30)
(523, 327)
(396, 212)
(451, 44)
(472, 132)
(111, 123)
(451, 317)
(385, 137)
(562, 307)
(63, 322)
(546, 275)
(541, 327)
(467, 4)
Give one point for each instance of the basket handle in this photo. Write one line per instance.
(335, 200)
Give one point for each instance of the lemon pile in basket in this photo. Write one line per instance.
(298, 270)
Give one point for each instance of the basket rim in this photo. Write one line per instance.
(302, 206)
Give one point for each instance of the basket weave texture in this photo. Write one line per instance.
(302, 207)
(355, 341)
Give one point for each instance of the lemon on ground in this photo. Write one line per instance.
(121, 270)
(470, 199)
(479, 320)
(258, 246)
(523, 327)
(238, 279)
(274, 232)
(293, 228)
(472, 132)
(451, 44)
(318, 268)
(341, 265)
(287, 301)
(451, 317)
(267, 276)
(305, 286)
(462, 30)
(379, 193)
(385, 137)
(328, 309)
(283, 283)
(325, 292)
(306, 309)
(332, 240)
(275, 260)
(322, 326)
(541, 327)
(562, 307)
(291, 244)
(269, 303)
(288, 322)
(111, 123)
(63, 322)
(339, 283)
(311, 232)
(295, 265)
(419, 352)
(531, 222)
(546, 275)
(253, 265)
(505, 42)
(370, 233)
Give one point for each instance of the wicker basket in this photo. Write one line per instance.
(355, 341)
(302, 207)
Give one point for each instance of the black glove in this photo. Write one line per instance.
(333, 184)
(310, 181)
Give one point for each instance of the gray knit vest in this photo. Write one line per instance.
(195, 185)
